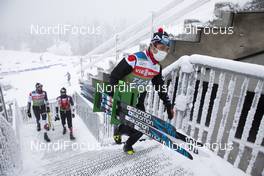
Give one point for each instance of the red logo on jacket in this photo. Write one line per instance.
(144, 72)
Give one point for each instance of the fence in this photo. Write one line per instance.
(2, 105)
(10, 151)
(97, 123)
(219, 102)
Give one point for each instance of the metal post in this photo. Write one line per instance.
(116, 49)
(2, 104)
(81, 63)
(152, 23)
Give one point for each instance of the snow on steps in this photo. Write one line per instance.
(150, 158)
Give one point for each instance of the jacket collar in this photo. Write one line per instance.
(151, 56)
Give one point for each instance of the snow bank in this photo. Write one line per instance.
(10, 161)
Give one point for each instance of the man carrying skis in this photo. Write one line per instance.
(65, 106)
(40, 106)
(140, 68)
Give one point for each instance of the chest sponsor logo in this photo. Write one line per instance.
(145, 72)
(38, 96)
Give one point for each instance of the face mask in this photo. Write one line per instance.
(160, 55)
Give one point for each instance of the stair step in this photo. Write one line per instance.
(146, 161)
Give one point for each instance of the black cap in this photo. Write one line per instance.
(161, 37)
(63, 90)
(38, 85)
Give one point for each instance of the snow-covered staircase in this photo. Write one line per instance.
(108, 162)
(150, 159)
(85, 156)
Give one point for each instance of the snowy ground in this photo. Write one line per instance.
(22, 70)
(84, 156)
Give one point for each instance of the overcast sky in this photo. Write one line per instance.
(76, 11)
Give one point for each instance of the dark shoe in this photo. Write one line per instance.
(128, 149)
(117, 139)
(38, 127)
(46, 137)
(64, 130)
(72, 137)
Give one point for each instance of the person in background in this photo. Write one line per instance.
(66, 109)
(68, 75)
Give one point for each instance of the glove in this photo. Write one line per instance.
(170, 113)
(73, 115)
(29, 114)
(106, 103)
(46, 126)
(57, 117)
(48, 109)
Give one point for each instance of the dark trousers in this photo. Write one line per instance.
(40, 111)
(66, 115)
(133, 134)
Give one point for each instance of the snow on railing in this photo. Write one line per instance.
(215, 99)
(2, 104)
(10, 151)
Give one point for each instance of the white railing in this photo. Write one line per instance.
(213, 104)
(2, 104)
(10, 155)
(97, 123)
